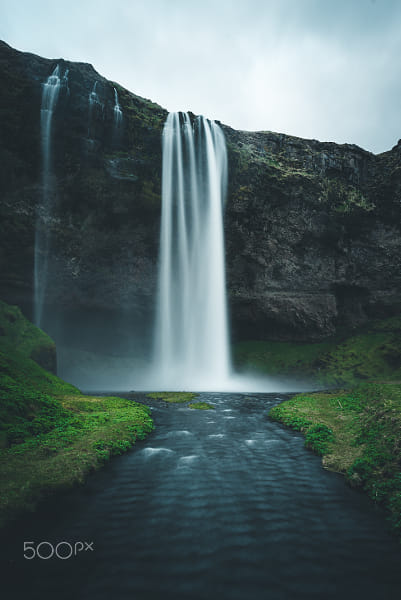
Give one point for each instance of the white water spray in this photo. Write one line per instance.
(191, 340)
(50, 94)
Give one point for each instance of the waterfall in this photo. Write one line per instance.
(118, 113)
(95, 108)
(50, 94)
(93, 98)
(51, 90)
(191, 338)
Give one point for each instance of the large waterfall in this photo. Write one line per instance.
(50, 94)
(192, 346)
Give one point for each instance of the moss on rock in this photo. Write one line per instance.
(201, 406)
(371, 352)
(17, 333)
(179, 397)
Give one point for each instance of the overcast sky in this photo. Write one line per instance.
(324, 69)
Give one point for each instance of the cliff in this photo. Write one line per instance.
(312, 229)
(313, 232)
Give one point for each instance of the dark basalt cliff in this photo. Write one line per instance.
(313, 240)
(313, 235)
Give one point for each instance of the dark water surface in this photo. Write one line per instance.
(219, 504)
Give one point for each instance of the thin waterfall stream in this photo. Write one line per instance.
(118, 113)
(50, 94)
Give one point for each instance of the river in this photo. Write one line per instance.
(217, 504)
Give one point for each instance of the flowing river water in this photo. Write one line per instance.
(215, 504)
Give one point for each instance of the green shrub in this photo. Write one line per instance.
(318, 438)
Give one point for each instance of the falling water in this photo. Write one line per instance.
(50, 94)
(51, 90)
(192, 348)
(93, 98)
(95, 106)
(65, 81)
(118, 113)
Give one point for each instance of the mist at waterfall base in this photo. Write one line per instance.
(191, 342)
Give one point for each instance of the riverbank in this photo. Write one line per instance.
(373, 351)
(357, 433)
(51, 435)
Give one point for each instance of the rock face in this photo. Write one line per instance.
(312, 229)
(313, 235)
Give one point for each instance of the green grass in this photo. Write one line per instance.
(51, 435)
(18, 332)
(92, 430)
(374, 351)
(201, 406)
(179, 397)
(29, 398)
(357, 433)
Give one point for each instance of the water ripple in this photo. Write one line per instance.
(229, 508)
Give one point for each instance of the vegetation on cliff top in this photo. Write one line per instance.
(358, 434)
(51, 436)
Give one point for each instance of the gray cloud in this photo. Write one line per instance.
(313, 68)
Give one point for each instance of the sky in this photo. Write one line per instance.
(322, 69)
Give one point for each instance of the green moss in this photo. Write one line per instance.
(344, 197)
(150, 197)
(358, 434)
(318, 438)
(373, 352)
(82, 439)
(279, 168)
(278, 358)
(201, 406)
(51, 436)
(16, 332)
(172, 396)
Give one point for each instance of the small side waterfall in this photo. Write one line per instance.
(191, 338)
(93, 99)
(50, 94)
(118, 113)
(95, 108)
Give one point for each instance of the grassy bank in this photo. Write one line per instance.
(51, 436)
(357, 433)
(373, 351)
